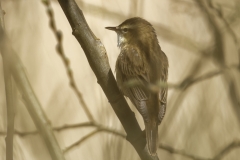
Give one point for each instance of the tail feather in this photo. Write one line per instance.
(152, 137)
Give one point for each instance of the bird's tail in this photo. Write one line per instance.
(152, 136)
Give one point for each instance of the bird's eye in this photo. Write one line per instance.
(125, 30)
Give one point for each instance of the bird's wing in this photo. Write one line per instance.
(130, 66)
(164, 91)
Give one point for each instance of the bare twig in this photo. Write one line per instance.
(220, 155)
(81, 140)
(189, 82)
(66, 62)
(227, 149)
(99, 129)
(33, 105)
(72, 126)
(234, 95)
(180, 152)
(227, 26)
(186, 83)
(218, 52)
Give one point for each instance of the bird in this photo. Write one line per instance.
(141, 59)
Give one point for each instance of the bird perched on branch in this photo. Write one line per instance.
(141, 59)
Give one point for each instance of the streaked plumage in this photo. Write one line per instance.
(142, 59)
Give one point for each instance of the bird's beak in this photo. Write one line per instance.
(112, 28)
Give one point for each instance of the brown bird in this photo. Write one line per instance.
(141, 59)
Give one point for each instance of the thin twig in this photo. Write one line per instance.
(227, 149)
(100, 129)
(71, 126)
(234, 95)
(180, 152)
(81, 140)
(66, 62)
(218, 156)
(186, 83)
(227, 26)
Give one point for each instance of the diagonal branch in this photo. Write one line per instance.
(90, 135)
(81, 140)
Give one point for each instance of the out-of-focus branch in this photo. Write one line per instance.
(219, 156)
(81, 140)
(101, 129)
(227, 26)
(227, 149)
(10, 91)
(98, 60)
(218, 52)
(66, 62)
(181, 152)
(186, 83)
(71, 126)
(33, 105)
(2, 13)
(234, 95)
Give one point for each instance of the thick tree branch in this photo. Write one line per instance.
(33, 105)
(98, 60)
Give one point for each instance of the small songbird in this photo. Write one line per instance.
(141, 59)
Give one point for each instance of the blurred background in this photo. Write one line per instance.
(202, 43)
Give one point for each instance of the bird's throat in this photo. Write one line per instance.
(120, 41)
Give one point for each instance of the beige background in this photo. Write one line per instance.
(202, 124)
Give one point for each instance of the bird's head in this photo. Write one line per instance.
(134, 31)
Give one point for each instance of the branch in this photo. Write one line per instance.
(234, 94)
(66, 62)
(227, 149)
(81, 140)
(186, 83)
(33, 106)
(220, 155)
(98, 60)
(180, 152)
(10, 93)
(218, 52)
(100, 129)
(189, 82)
(71, 126)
